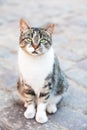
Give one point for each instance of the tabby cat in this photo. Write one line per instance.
(41, 83)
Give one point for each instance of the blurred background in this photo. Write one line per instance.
(70, 45)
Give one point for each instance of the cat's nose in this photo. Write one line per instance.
(35, 46)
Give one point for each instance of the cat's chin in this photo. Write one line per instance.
(35, 54)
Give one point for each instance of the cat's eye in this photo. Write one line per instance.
(43, 41)
(29, 40)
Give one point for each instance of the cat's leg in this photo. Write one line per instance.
(30, 111)
(52, 103)
(28, 96)
(30, 103)
(58, 90)
(41, 115)
(59, 93)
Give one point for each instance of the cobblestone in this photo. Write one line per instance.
(79, 75)
(70, 44)
(83, 64)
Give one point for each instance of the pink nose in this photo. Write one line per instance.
(35, 46)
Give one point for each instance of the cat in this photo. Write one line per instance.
(41, 82)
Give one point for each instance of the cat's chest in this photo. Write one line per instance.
(36, 69)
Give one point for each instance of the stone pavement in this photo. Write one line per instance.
(70, 44)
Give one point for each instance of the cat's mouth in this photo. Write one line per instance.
(34, 52)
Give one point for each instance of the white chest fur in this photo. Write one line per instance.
(34, 69)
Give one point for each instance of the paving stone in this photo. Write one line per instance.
(78, 48)
(65, 64)
(8, 75)
(2, 2)
(59, 38)
(66, 54)
(65, 119)
(70, 119)
(7, 119)
(82, 64)
(78, 75)
(8, 79)
(76, 97)
(5, 99)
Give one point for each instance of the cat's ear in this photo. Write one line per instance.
(23, 26)
(49, 28)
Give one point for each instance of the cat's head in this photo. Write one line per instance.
(35, 41)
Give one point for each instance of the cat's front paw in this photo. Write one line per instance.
(41, 117)
(30, 112)
(51, 108)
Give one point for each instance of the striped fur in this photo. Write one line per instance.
(42, 82)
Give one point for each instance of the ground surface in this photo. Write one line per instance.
(70, 44)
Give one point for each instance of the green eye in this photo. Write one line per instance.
(43, 41)
(29, 40)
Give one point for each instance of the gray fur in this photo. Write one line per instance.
(37, 42)
(56, 81)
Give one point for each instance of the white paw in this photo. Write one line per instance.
(30, 112)
(51, 108)
(41, 117)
